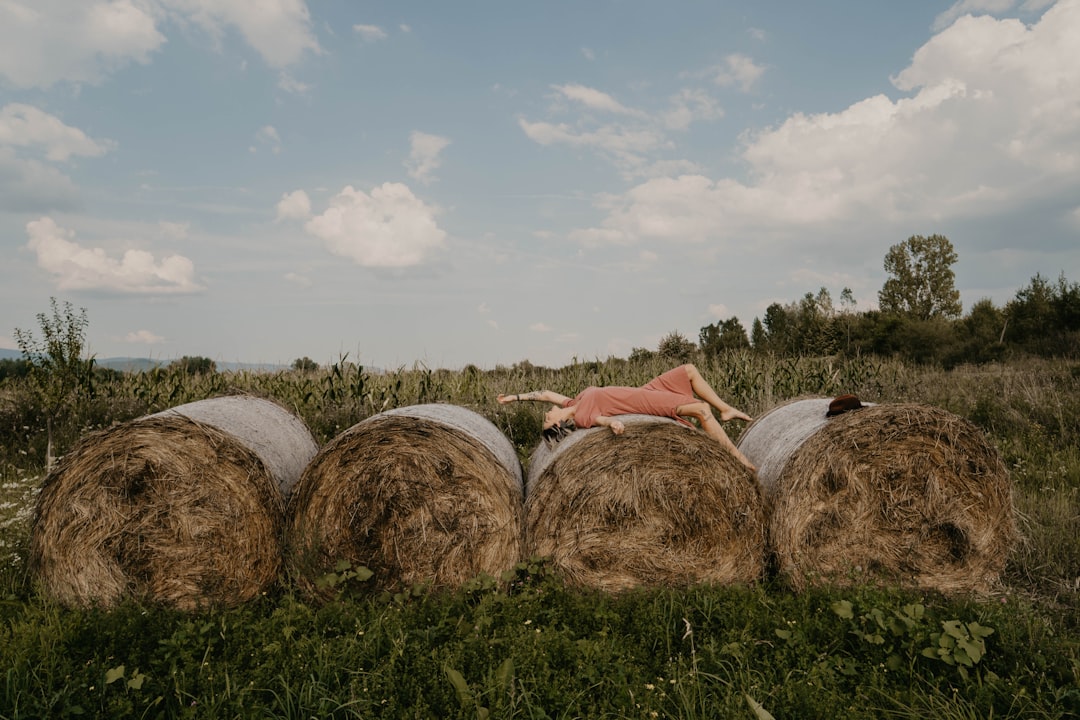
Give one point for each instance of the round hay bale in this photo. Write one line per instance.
(902, 493)
(659, 505)
(420, 494)
(184, 507)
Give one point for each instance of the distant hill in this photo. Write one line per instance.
(130, 364)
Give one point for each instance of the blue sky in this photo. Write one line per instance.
(489, 182)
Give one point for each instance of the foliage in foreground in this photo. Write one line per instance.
(532, 648)
(528, 647)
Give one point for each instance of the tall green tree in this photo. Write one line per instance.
(723, 335)
(922, 284)
(57, 365)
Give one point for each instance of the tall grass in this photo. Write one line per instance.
(525, 646)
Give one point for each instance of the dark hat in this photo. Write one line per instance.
(842, 404)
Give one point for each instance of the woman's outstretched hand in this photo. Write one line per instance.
(503, 399)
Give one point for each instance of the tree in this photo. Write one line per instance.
(305, 364)
(723, 335)
(57, 366)
(194, 365)
(675, 346)
(922, 285)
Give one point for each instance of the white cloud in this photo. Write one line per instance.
(970, 7)
(625, 146)
(369, 33)
(43, 42)
(77, 268)
(298, 279)
(143, 337)
(483, 308)
(28, 185)
(391, 227)
(173, 230)
(595, 99)
(290, 84)
(27, 126)
(690, 105)
(588, 54)
(279, 30)
(424, 154)
(540, 327)
(738, 70)
(268, 136)
(294, 206)
(719, 312)
(992, 120)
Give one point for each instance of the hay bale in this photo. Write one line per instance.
(421, 494)
(902, 493)
(184, 507)
(659, 505)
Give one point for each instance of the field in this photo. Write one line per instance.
(526, 646)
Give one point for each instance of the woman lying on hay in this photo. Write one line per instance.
(679, 393)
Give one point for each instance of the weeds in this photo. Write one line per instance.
(522, 645)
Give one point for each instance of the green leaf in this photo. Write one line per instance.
(460, 685)
(136, 681)
(783, 634)
(843, 608)
(113, 675)
(505, 674)
(342, 565)
(362, 573)
(759, 711)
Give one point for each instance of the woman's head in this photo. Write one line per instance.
(553, 434)
(558, 423)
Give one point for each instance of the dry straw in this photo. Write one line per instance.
(659, 505)
(421, 494)
(184, 507)
(900, 493)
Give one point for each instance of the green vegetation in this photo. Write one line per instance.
(526, 646)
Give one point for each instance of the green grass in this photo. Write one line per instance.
(525, 646)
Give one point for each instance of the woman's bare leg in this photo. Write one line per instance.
(704, 391)
(703, 414)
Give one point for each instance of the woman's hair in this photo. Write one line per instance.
(558, 431)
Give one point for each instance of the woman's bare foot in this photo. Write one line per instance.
(730, 413)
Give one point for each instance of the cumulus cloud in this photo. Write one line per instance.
(75, 267)
(299, 280)
(46, 41)
(294, 206)
(369, 33)
(970, 7)
(991, 118)
(27, 126)
(279, 30)
(43, 42)
(737, 70)
(540, 327)
(389, 228)
(626, 146)
(719, 311)
(143, 337)
(424, 151)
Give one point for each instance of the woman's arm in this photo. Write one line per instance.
(616, 426)
(537, 395)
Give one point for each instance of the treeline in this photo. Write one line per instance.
(1043, 320)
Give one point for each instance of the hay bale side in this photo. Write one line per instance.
(659, 505)
(276, 435)
(428, 493)
(902, 493)
(169, 509)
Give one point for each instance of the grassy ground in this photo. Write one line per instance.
(524, 645)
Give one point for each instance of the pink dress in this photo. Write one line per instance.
(661, 396)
